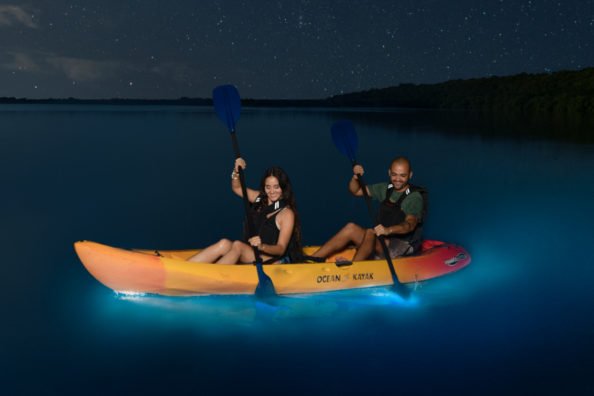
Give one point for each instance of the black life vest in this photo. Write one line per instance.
(264, 217)
(391, 213)
(265, 221)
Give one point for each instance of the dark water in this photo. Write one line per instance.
(519, 320)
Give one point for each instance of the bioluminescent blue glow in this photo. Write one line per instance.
(516, 321)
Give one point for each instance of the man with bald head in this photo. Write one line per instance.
(399, 217)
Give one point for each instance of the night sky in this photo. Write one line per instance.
(279, 49)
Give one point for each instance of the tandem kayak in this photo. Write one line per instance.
(168, 273)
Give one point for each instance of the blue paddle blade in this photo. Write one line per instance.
(345, 138)
(227, 105)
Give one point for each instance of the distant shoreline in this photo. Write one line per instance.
(557, 106)
(561, 95)
(170, 102)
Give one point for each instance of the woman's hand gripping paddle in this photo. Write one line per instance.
(346, 141)
(227, 105)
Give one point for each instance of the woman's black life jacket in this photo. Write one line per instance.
(264, 218)
(391, 213)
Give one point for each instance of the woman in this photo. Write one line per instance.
(275, 219)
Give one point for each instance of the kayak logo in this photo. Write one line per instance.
(454, 260)
(328, 278)
(344, 277)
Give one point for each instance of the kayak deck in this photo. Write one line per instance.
(168, 272)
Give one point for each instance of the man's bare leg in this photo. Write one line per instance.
(349, 234)
(366, 247)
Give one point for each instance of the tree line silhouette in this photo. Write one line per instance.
(564, 93)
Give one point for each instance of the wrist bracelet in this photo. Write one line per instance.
(234, 175)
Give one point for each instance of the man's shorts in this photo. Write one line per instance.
(397, 248)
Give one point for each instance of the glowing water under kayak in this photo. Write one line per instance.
(168, 272)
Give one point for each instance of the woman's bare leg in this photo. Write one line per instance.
(239, 252)
(213, 252)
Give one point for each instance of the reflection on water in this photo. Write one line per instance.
(152, 177)
(476, 123)
(245, 309)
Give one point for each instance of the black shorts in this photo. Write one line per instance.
(398, 248)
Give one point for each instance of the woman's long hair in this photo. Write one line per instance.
(288, 196)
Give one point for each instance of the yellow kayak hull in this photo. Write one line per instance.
(168, 272)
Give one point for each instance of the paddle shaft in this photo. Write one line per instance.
(381, 238)
(246, 202)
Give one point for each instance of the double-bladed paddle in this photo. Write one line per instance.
(227, 105)
(346, 141)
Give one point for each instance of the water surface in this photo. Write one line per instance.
(518, 320)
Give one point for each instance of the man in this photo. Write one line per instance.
(399, 218)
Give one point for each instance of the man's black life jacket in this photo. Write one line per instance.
(391, 213)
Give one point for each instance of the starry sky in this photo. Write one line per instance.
(279, 49)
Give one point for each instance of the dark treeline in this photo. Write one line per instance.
(114, 101)
(169, 102)
(559, 104)
(564, 93)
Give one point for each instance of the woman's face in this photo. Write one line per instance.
(273, 190)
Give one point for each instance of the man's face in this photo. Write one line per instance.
(399, 175)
